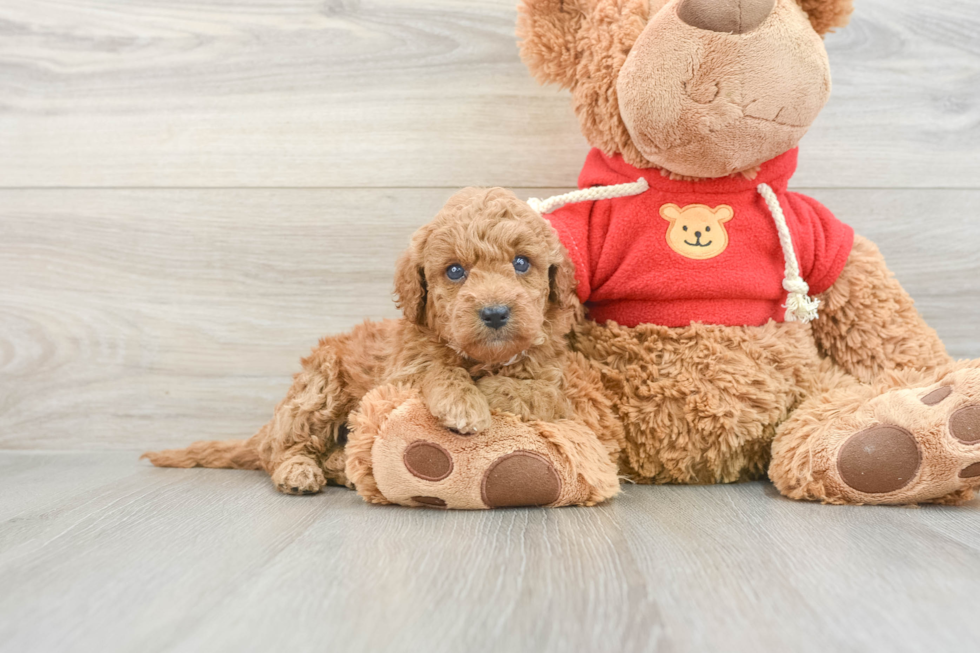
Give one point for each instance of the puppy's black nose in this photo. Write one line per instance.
(697, 234)
(495, 317)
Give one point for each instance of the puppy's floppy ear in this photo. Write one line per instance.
(825, 15)
(411, 291)
(561, 282)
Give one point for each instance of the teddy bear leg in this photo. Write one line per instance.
(398, 453)
(911, 437)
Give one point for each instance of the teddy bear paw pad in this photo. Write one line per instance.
(880, 459)
(521, 478)
(937, 396)
(430, 502)
(428, 461)
(964, 424)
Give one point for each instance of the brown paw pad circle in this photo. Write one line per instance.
(521, 478)
(428, 461)
(936, 396)
(964, 424)
(430, 502)
(971, 472)
(878, 460)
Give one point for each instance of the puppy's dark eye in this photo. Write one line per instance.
(707, 228)
(685, 227)
(455, 272)
(521, 264)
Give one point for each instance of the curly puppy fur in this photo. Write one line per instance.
(462, 367)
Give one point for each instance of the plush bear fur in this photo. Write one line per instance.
(863, 405)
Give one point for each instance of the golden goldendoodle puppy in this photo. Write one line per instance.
(488, 296)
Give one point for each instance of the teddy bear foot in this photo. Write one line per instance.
(928, 449)
(404, 456)
(520, 478)
(905, 446)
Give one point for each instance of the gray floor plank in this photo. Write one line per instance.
(29, 482)
(215, 560)
(121, 566)
(389, 93)
(816, 577)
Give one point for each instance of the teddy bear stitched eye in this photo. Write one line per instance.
(685, 227)
(455, 272)
(707, 228)
(521, 264)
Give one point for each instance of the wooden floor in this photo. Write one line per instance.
(191, 193)
(98, 553)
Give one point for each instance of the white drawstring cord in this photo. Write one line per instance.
(595, 193)
(799, 306)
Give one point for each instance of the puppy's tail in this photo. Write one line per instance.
(226, 454)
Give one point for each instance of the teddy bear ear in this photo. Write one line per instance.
(549, 38)
(825, 15)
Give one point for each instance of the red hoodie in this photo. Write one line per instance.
(704, 251)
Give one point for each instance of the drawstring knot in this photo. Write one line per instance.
(799, 305)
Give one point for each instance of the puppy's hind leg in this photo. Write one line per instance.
(302, 446)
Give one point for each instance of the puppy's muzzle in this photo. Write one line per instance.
(495, 317)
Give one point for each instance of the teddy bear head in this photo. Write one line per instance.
(698, 88)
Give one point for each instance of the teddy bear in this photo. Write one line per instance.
(734, 329)
(741, 330)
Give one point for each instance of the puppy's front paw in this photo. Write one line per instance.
(299, 475)
(467, 414)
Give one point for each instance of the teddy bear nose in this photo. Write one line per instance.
(732, 16)
(697, 234)
(495, 317)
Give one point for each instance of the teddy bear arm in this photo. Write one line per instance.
(869, 325)
(529, 399)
